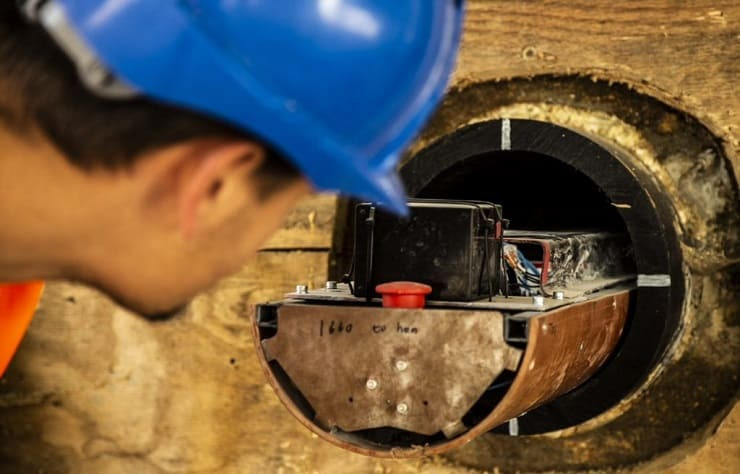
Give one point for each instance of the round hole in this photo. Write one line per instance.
(548, 178)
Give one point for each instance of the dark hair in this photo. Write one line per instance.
(40, 89)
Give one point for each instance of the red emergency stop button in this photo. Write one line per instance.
(403, 294)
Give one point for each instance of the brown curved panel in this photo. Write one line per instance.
(565, 348)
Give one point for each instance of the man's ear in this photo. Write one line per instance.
(212, 179)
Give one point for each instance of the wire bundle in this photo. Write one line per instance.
(527, 276)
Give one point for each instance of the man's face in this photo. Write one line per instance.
(181, 221)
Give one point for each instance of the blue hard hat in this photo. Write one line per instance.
(340, 87)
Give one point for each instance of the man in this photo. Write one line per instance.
(149, 148)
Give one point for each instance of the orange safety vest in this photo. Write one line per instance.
(18, 302)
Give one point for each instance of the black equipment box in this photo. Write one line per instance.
(453, 246)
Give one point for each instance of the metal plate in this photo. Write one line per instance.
(512, 303)
(566, 346)
(428, 366)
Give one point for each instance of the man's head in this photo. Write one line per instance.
(146, 201)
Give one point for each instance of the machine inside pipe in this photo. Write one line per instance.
(448, 325)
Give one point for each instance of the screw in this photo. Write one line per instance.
(401, 365)
(538, 300)
(331, 285)
(559, 295)
(301, 289)
(402, 408)
(371, 384)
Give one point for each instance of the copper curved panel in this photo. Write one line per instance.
(565, 348)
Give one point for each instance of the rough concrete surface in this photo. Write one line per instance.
(719, 454)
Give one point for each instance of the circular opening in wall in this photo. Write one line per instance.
(550, 178)
(606, 188)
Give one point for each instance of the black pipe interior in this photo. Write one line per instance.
(537, 192)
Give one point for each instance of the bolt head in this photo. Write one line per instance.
(401, 365)
(331, 285)
(559, 295)
(538, 300)
(371, 384)
(301, 289)
(402, 408)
